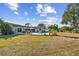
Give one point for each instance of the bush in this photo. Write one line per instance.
(6, 28)
(65, 29)
(54, 28)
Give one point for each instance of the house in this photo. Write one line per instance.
(39, 29)
(21, 29)
(18, 29)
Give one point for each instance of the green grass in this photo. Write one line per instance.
(5, 37)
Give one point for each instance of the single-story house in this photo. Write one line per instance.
(18, 29)
(21, 29)
(39, 29)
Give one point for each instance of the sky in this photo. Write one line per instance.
(34, 13)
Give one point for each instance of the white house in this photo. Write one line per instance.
(21, 29)
(39, 30)
(18, 29)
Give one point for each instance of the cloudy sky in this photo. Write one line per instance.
(33, 13)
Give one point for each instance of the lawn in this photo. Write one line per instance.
(30, 45)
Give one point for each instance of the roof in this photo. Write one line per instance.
(17, 25)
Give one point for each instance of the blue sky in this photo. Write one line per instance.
(34, 13)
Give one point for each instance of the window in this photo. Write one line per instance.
(33, 30)
(19, 29)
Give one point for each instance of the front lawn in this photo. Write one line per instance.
(63, 44)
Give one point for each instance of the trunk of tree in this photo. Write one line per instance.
(75, 25)
(75, 29)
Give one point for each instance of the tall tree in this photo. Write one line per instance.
(71, 16)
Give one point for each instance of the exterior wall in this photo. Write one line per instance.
(15, 30)
(39, 30)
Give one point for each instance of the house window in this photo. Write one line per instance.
(33, 30)
(19, 29)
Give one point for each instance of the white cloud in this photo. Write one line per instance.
(14, 7)
(26, 13)
(43, 14)
(39, 8)
(16, 13)
(52, 20)
(49, 9)
(29, 19)
(49, 20)
(45, 9)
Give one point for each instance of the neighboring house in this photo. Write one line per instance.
(39, 29)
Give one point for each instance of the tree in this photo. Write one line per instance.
(6, 28)
(28, 25)
(54, 28)
(41, 24)
(1, 25)
(71, 16)
(65, 29)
